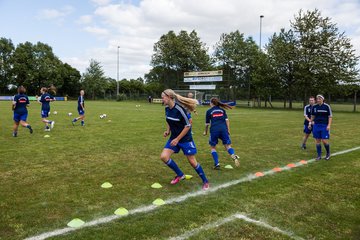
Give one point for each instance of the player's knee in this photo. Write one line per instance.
(164, 157)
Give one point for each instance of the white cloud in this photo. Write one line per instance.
(97, 30)
(135, 28)
(85, 19)
(101, 2)
(55, 13)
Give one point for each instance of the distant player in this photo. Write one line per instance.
(218, 121)
(19, 106)
(307, 121)
(178, 126)
(45, 100)
(81, 109)
(321, 119)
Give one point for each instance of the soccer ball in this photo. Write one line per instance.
(55, 112)
(69, 114)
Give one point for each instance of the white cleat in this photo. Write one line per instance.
(52, 124)
(236, 160)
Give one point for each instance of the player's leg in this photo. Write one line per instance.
(23, 122)
(213, 141)
(215, 157)
(325, 140)
(15, 128)
(166, 158)
(227, 144)
(307, 132)
(199, 171)
(317, 135)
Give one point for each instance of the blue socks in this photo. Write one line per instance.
(231, 151)
(82, 123)
(172, 164)
(318, 149)
(327, 147)
(201, 173)
(215, 157)
(74, 120)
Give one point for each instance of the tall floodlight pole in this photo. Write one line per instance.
(261, 17)
(117, 76)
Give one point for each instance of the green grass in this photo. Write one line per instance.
(46, 182)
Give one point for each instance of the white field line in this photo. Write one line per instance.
(148, 208)
(236, 216)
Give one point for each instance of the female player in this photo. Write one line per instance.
(321, 119)
(307, 121)
(219, 128)
(81, 109)
(19, 106)
(178, 126)
(45, 100)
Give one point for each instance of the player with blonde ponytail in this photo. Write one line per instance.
(178, 126)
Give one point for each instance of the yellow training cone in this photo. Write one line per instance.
(121, 212)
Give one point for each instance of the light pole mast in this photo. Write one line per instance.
(261, 17)
(117, 76)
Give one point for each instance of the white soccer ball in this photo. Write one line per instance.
(69, 114)
(55, 112)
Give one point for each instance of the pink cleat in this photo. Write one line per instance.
(177, 179)
(206, 186)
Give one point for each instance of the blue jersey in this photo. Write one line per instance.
(177, 119)
(81, 102)
(21, 101)
(322, 113)
(307, 113)
(45, 101)
(217, 117)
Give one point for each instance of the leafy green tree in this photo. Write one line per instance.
(325, 56)
(70, 84)
(176, 54)
(6, 50)
(35, 66)
(283, 53)
(93, 80)
(239, 58)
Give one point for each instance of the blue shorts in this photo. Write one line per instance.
(20, 117)
(45, 113)
(307, 130)
(320, 132)
(223, 135)
(81, 111)
(188, 148)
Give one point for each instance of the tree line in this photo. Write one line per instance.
(310, 57)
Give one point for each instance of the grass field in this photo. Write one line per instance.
(46, 182)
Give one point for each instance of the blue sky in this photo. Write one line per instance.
(80, 30)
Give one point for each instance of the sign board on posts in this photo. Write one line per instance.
(202, 87)
(203, 79)
(203, 73)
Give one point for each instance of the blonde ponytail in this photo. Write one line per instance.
(189, 103)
